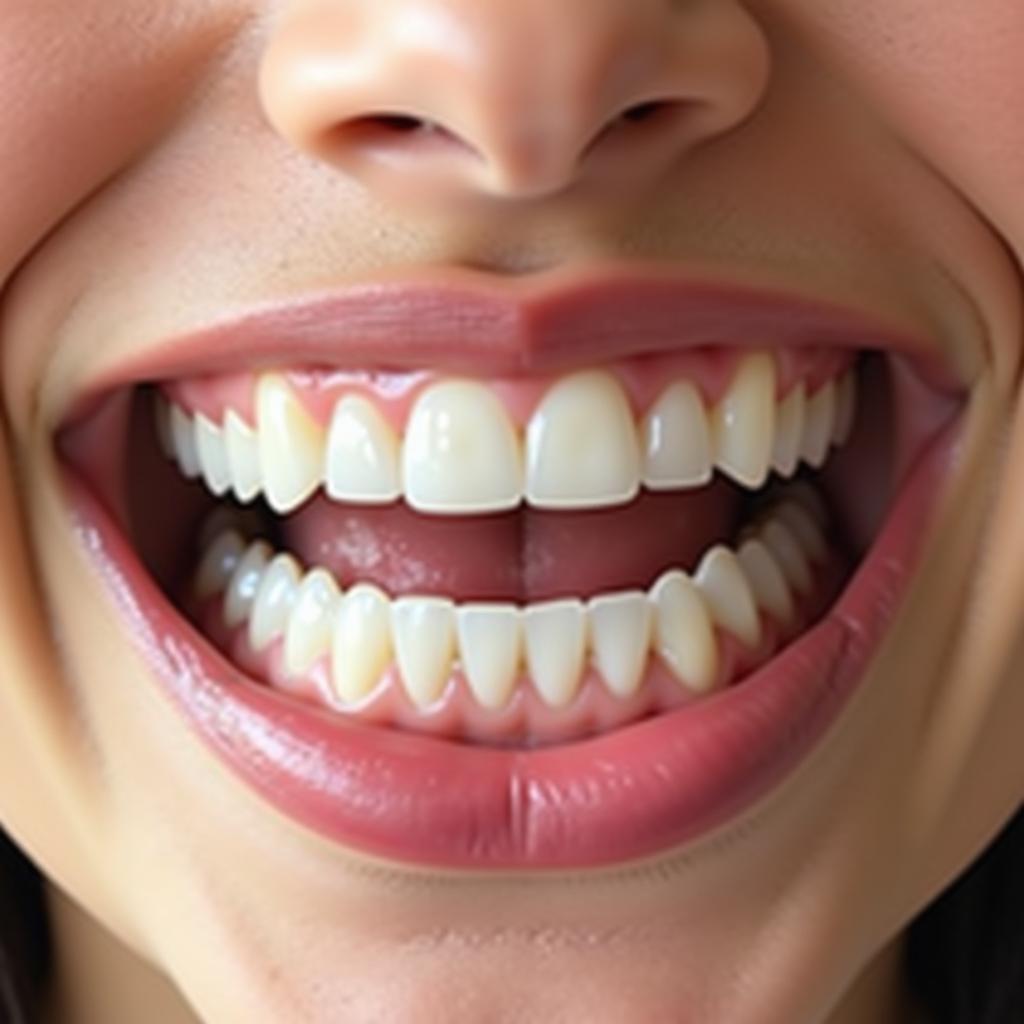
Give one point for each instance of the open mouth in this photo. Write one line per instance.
(504, 582)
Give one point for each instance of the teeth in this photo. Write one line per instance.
(244, 583)
(307, 637)
(684, 634)
(291, 445)
(424, 636)
(213, 456)
(274, 601)
(461, 453)
(779, 539)
(846, 407)
(804, 527)
(184, 440)
(581, 445)
(620, 635)
(789, 430)
(766, 580)
(490, 650)
(362, 454)
(743, 424)
(361, 646)
(243, 456)
(677, 440)
(556, 636)
(727, 593)
(819, 425)
(219, 564)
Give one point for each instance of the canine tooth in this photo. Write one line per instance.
(677, 439)
(727, 593)
(582, 448)
(766, 580)
(790, 556)
(274, 601)
(461, 453)
(362, 454)
(243, 456)
(846, 407)
(291, 445)
(743, 422)
(184, 438)
(361, 645)
(684, 635)
(556, 640)
(424, 637)
(162, 414)
(789, 429)
(804, 528)
(490, 649)
(245, 582)
(219, 563)
(307, 636)
(620, 637)
(213, 457)
(818, 425)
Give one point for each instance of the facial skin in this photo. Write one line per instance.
(164, 162)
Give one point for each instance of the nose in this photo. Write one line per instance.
(427, 100)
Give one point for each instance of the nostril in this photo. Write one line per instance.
(644, 111)
(387, 130)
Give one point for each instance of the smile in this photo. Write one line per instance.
(565, 579)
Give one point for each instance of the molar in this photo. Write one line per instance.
(818, 425)
(245, 582)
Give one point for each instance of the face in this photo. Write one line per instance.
(510, 489)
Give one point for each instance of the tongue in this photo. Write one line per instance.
(520, 556)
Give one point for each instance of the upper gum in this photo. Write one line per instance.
(394, 393)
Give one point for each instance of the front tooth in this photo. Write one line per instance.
(556, 638)
(274, 601)
(684, 635)
(213, 456)
(727, 592)
(581, 445)
(743, 424)
(362, 454)
(490, 650)
(244, 584)
(184, 438)
(291, 445)
(789, 429)
(219, 564)
(818, 425)
(424, 638)
(620, 637)
(307, 636)
(243, 456)
(766, 580)
(677, 440)
(361, 646)
(789, 554)
(461, 453)
(846, 407)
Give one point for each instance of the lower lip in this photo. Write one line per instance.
(633, 793)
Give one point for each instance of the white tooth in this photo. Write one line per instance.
(291, 445)
(274, 601)
(556, 640)
(677, 440)
(620, 637)
(684, 635)
(743, 423)
(846, 407)
(789, 429)
(361, 646)
(490, 649)
(807, 496)
(821, 407)
(243, 456)
(245, 582)
(162, 412)
(424, 638)
(766, 580)
(362, 454)
(804, 528)
(581, 445)
(727, 593)
(790, 556)
(184, 438)
(219, 564)
(461, 453)
(307, 636)
(213, 456)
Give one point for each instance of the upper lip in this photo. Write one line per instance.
(469, 322)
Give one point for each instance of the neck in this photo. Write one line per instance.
(881, 995)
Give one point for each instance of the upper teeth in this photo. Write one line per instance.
(461, 453)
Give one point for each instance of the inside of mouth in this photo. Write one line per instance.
(574, 563)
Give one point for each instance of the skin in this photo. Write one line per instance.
(165, 161)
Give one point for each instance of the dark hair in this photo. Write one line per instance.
(965, 952)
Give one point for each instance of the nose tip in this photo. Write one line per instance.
(426, 99)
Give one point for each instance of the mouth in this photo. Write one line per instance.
(542, 593)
